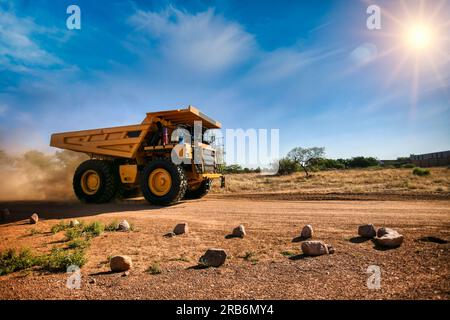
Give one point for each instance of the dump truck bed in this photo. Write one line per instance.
(116, 141)
(124, 141)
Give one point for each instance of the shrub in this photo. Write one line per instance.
(250, 257)
(94, 229)
(408, 165)
(61, 226)
(11, 261)
(112, 226)
(78, 244)
(154, 269)
(287, 166)
(73, 233)
(59, 259)
(421, 172)
(325, 164)
(235, 168)
(34, 231)
(362, 162)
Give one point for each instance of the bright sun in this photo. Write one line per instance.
(419, 37)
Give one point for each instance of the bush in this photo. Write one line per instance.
(235, 168)
(73, 233)
(408, 166)
(287, 166)
(154, 269)
(11, 261)
(362, 162)
(61, 226)
(326, 164)
(421, 172)
(112, 226)
(78, 244)
(94, 229)
(59, 259)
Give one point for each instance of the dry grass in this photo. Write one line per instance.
(341, 181)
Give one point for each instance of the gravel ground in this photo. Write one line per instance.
(276, 270)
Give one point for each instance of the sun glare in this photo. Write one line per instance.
(419, 37)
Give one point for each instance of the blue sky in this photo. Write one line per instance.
(310, 68)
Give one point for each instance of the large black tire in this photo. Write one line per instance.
(200, 191)
(178, 182)
(108, 181)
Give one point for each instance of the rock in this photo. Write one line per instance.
(123, 226)
(314, 248)
(34, 218)
(74, 223)
(92, 281)
(120, 263)
(239, 231)
(367, 231)
(391, 239)
(382, 231)
(181, 228)
(307, 232)
(213, 258)
(126, 274)
(330, 249)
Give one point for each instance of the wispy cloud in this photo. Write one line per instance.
(18, 51)
(204, 41)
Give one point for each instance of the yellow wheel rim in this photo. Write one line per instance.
(160, 182)
(90, 182)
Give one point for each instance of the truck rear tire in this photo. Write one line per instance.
(95, 181)
(200, 191)
(163, 182)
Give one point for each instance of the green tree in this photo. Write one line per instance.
(304, 156)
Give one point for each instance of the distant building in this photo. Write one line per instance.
(434, 159)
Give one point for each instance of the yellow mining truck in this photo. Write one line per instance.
(165, 157)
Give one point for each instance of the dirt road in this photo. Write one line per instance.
(273, 268)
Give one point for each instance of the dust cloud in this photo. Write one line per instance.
(38, 176)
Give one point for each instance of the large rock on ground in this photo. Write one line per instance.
(34, 218)
(239, 231)
(382, 231)
(314, 248)
(120, 263)
(74, 223)
(213, 258)
(367, 231)
(181, 228)
(388, 238)
(123, 226)
(307, 232)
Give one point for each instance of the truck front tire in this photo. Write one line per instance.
(163, 182)
(95, 181)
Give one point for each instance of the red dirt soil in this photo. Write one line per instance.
(416, 270)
